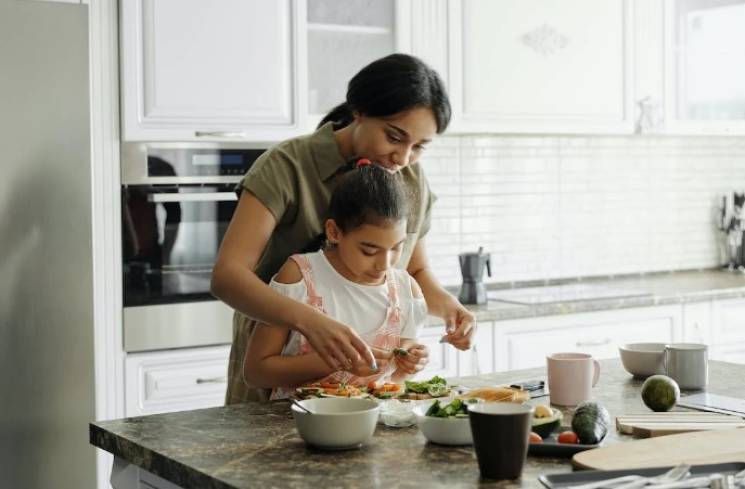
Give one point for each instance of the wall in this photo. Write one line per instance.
(555, 207)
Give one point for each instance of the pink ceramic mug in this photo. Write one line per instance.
(571, 377)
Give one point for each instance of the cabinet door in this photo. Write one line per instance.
(193, 70)
(177, 380)
(527, 343)
(442, 357)
(480, 358)
(728, 322)
(541, 66)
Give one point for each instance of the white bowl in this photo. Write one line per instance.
(337, 423)
(445, 431)
(643, 359)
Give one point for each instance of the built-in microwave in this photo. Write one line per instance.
(177, 201)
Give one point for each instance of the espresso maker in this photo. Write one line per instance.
(473, 291)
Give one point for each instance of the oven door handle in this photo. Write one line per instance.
(193, 197)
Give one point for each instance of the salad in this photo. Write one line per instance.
(434, 387)
(457, 408)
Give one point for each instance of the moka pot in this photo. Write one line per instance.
(473, 290)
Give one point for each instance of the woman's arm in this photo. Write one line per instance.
(459, 321)
(235, 283)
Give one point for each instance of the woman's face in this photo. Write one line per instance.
(364, 255)
(394, 141)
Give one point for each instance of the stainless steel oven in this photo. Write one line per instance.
(177, 201)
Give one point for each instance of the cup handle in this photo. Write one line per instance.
(596, 375)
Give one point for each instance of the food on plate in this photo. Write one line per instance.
(546, 420)
(428, 389)
(497, 394)
(660, 393)
(385, 391)
(568, 437)
(535, 437)
(457, 408)
(590, 422)
(328, 389)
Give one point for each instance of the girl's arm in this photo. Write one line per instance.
(459, 321)
(264, 366)
(235, 283)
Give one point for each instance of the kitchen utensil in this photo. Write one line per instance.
(714, 403)
(556, 481)
(672, 475)
(680, 471)
(695, 448)
(300, 405)
(472, 265)
(571, 377)
(647, 425)
(500, 438)
(643, 359)
(337, 423)
(687, 364)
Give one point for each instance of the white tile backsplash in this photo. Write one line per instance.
(555, 207)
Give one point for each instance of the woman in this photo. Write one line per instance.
(394, 107)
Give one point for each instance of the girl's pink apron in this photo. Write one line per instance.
(386, 337)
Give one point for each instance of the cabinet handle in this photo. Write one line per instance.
(219, 134)
(602, 342)
(213, 380)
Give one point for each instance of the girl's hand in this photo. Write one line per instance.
(362, 369)
(460, 325)
(338, 344)
(416, 360)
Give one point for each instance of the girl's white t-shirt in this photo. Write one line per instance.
(361, 307)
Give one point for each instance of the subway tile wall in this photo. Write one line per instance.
(561, 207)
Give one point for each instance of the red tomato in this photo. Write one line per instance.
(535, 437)
(372, 386)
(568, 437)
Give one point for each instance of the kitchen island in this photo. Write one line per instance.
(256, 445)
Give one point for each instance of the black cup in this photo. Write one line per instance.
(500, 436)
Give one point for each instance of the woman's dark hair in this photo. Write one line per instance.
(368, 195)
(391, 85)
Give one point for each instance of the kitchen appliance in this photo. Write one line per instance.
(472, 265)
(177, 202)
(47, 363)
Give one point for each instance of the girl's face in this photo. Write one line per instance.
(364, 255)
(394, 141)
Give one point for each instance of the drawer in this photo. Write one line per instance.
(600, 339)
(177, 380)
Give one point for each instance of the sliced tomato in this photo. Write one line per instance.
(372, 386)
(535, 437)
(568, 437)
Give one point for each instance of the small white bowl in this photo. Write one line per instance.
(643, 359)
(338, 423)
(445, 431)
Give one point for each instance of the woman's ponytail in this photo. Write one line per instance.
(341, 116)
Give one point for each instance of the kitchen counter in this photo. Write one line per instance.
(659, 289)
(255, 445)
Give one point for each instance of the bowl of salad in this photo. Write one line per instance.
(445, 421)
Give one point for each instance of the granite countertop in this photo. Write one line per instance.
(659, 288)
(255, 445)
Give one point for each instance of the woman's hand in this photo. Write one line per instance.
(338, 344)
(362, 369)
(415, 360)
(460, 324)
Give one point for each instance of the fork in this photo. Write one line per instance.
(636, 481)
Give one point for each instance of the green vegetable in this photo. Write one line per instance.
(455, 409)
(548, 424)
(660, 393)
(423, 387)
(590, 422)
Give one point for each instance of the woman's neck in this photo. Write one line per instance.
(343, 138)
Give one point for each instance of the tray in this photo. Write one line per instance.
(552, 448)
(552, 481)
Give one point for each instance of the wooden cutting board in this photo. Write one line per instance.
(702, 447)
(647, 425)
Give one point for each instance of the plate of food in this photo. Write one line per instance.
(497, 394)
(330, 389)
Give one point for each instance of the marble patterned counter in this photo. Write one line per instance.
(256, 445)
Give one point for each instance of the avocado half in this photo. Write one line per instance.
(548, 424)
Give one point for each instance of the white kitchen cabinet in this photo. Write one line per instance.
(697, 322)
(203, 71)
(479, 359)
(175, 380)
(443, 360)
(728, 322)
(705, 78)
(526, 343)
(541, 66)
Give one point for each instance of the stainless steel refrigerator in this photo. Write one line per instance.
(46, 309)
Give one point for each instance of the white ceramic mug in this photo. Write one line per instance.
(687, 364)
(571, 377)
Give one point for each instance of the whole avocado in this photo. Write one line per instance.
(660, 393)
(590, 422)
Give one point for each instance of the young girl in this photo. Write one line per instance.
(352, 280)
